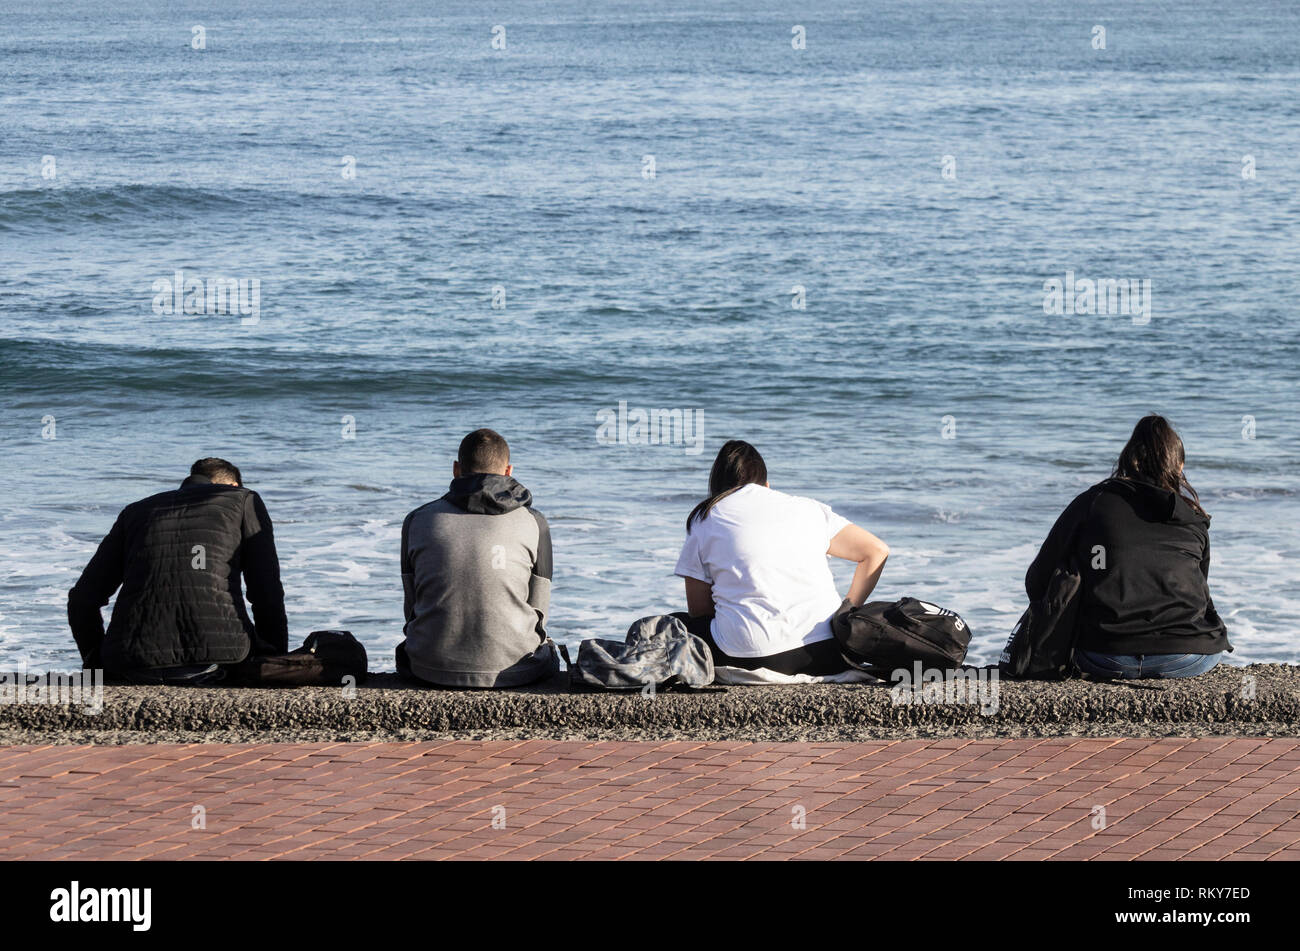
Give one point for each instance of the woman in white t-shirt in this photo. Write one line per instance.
(758, 586)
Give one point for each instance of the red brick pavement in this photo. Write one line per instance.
(936, 799)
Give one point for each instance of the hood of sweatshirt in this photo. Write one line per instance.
(485, 493)
(1155, 503)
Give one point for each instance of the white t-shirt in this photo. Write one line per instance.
(764, 552)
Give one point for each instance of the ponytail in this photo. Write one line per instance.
(738, 464)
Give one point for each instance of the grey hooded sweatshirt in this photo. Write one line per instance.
(476, 569)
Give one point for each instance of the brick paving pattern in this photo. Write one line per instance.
(1205, 798)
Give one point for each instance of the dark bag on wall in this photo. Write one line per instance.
(883, 636)
(325, 658)
(1041, 646)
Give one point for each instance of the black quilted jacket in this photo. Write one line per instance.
(178, 557)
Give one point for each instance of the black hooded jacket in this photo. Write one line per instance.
(1144, 554)
(178, 557)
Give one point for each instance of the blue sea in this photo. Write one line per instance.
(522, 215)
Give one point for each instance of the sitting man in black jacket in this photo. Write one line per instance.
(178, 557)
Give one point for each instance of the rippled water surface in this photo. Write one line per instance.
(526, 169)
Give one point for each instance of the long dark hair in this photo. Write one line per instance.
(1154, 453)
(738, 465)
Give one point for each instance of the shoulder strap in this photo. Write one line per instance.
(568, 664)
(1092, 504)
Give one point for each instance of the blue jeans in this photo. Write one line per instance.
(1135, 667)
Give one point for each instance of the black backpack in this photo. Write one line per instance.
(325, 658)
(1041, 646)
(883, 636)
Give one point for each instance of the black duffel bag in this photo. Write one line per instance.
(324, 660)
(883, 636)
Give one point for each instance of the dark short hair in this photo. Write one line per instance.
(214, 469)
(483, 450)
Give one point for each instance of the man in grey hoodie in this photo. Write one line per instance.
(476, 569)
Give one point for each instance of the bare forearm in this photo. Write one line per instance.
(699, 598)
(858, 545)
(865, 578)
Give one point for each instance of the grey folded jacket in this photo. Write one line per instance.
(657, 650)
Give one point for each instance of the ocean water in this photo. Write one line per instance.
(522, 177)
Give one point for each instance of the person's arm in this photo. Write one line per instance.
(261, 568)
(1056, 547)
(1210, 612)
(699, 581)
(408, 575)
(699, 598)
(539, 585)
(857, 544)
(101, 578)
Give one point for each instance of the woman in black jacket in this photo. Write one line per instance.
(1142, 545)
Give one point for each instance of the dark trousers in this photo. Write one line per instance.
(190, 675)
(404, 665)
(817, 659)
